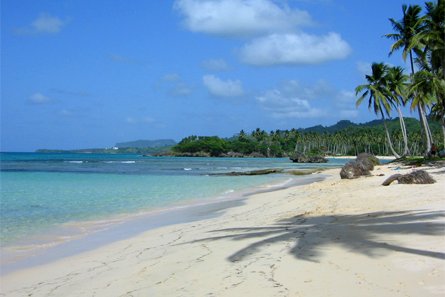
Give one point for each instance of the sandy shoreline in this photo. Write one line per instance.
(330, 238)
(78, 237)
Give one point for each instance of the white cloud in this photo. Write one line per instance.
(296, 48)
(239, 17)
(215, 65)
(364, 68)
(47, 24)
(43, 24)
(175, 85)
(345, 104)
(66, 113)
(293, 99)
(223, 88)
(283, 105)
(320, 89)
(39, 98)
(346, 97)
(142, 120)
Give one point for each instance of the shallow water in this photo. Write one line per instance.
(40, 192)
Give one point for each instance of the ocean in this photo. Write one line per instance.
(46, 198)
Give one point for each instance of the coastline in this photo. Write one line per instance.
(74, 238)
(328, 238)
(386, 158)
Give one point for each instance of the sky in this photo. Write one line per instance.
(88, 74)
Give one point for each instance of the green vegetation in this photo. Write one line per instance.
(343, 138)
(422, 38)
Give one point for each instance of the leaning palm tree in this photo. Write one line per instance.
(426, 88)
(408, 31)
(378, 95)
(396, 82)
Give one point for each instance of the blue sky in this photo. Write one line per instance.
(84, 74)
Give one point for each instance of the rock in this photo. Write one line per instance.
(253, 172)
(354, 169)
(415, 177)
(233, 155)
(369, 158)
(301, 158)
(256, 155)
(361, 166)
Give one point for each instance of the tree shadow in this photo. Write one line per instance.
(357, 233)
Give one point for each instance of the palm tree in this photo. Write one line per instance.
(433, 59)
(408, 31)
(433, 35)
(426, 88)
(378, 95)
(396, 82)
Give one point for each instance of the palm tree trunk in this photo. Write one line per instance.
(404, 134)
(422, 117)
(443, 131)
(389, 139)
(428, 135)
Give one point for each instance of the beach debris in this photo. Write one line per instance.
(415, 177)
(361, 166)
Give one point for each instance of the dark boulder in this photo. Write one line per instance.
(361, 166)
(369, 158)
(301, 158)
(233, 155)
(354, 169)
(415, 177)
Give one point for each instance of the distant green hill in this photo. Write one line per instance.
(144, 147)
(146, 143)
(330, 129)
(393, 124)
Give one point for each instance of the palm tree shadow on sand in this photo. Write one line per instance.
(363, 233)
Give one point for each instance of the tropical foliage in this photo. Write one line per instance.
(420, 35)
(344, 138)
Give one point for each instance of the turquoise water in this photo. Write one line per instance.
(42, 191)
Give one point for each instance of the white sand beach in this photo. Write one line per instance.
(330, 238)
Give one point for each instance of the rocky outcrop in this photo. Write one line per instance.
(301, 158)
(415, 177)
(361, 166)
(253, 172)
(369, 158)
(233, 155)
